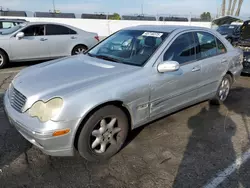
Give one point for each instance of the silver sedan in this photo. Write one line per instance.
(40, 41)
(89, 103)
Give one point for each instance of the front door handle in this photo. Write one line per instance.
(224, 61)
(43, 39)
(73, 37)
(195, 69)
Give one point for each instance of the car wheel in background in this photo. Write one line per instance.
(79, 49)
(223, 90)
(3, 59)
(103, 134)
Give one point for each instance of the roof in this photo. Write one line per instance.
(163, 28)
(15, 20)
(229, 19)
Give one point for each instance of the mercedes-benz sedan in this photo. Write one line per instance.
(31, 41)
(89, 103)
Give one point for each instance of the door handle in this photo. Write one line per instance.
(195, 69)
(73, 37)
(43, 39)
(224, 61)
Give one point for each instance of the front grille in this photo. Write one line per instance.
(17, 99)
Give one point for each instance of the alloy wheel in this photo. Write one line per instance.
(104, 135)
(224, 89)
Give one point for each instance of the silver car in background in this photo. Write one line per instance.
(40, 41)
(89, 103)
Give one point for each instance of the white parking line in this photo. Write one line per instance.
(221, 176)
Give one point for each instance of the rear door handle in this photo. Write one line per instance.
(195, 69)
(224, 61)
(73, 37)
(43, 39)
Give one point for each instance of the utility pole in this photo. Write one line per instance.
(239, 8)
(223, 7)
(229, 7)
(142, 11)
(233, 7)
(54, 7)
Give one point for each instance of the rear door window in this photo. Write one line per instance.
(58, 30)
(182, 49)
(221, 49)
(206, 45)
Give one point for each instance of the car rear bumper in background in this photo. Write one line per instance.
(45, 141)
(246, 63)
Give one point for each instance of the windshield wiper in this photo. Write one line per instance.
(107, 58)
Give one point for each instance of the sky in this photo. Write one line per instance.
(153, 7)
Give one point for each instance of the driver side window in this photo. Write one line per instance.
(35, 30)
(182, 49)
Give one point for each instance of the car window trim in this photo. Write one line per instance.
(61, 26)
(21, 30)
(217, 54)
(161, 56)
(159, 59)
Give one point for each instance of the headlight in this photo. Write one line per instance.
(45, 111)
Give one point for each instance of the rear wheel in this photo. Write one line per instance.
(104, 133)
(223, 90)
(79, 49)
(3, 59)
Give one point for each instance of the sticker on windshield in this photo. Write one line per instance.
(152, 34)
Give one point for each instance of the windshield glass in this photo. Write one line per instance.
(11, 30)
(132, 47)
(226, 29)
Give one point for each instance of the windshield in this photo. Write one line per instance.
(227, 29)
(11, 30)
(132, 47)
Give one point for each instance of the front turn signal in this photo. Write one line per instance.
(61, 132)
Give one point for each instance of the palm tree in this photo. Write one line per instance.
(229, 7)
(223, 7)
(233, 7)
(239, 8)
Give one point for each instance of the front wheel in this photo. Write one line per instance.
(104, 133)
(223, 90)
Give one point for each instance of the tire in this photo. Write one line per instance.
(221, 97)
(79, 49)
(89, 146)
(3, 59)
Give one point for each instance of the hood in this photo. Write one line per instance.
(67, 74)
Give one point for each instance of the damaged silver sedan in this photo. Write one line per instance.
(89, 103)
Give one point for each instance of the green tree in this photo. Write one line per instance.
(115, 16)
(206, 16)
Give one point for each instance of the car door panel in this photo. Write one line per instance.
(173, 90)
(213, 65)
(60, 39)
(29, 47)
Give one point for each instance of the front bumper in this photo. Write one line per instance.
(43, 139)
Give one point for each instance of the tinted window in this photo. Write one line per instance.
(220, 47)
(206, 45)
(36, 30)
(182, 49)
(58, 30)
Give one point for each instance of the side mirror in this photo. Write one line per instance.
(168, 66)
(19, 35)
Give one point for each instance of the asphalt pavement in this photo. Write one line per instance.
(186, 149)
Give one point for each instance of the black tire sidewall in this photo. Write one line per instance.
(84, 147)
(78, 46)
(5, 59)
